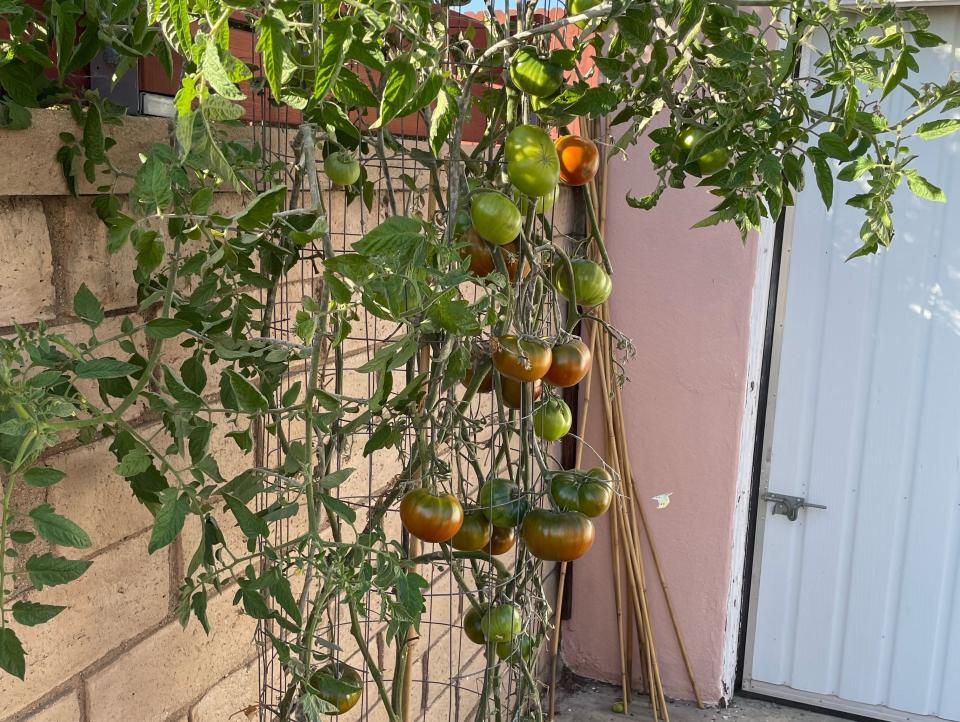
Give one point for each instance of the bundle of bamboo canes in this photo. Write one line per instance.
(628, 523)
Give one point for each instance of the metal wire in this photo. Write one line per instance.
(449, 670)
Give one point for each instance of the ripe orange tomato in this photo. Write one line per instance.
(579, 159)
(571, 361)
(522, 359)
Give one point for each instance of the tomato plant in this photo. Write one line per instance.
(533, 164)
(579, 159)
(591, 283)
(431, 517)
(522, 359)
(535, 74)
(557, 536)
(219, 349)
(552, 419)
(570, 362)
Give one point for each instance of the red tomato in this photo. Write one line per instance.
(579, 159)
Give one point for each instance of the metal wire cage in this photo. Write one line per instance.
(447, 671)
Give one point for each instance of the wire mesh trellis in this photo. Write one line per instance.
(447, 672)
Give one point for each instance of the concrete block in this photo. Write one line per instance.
(124, 593)
(65, 709)
(172, 667)
(26, 276)
(235, 698)
(79, 241)
(95, 497)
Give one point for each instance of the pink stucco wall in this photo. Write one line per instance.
(683, 296)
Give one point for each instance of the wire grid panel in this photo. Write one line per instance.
(448, 669)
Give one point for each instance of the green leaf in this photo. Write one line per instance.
(442, 119)
(93, 140)
(259, 212)
(104, 368)
(399, 88)
(87, 307)
(272, 43)
(169, 520)
(175, 21)
(247, 395)
(216, 75)
(938, 128)
(41, 476)
(824, 176)
(316, 709)
(134, 462)
(834, 146)
(31, 614)
(160, 328)
(152, 184)
(339, 508)
(49, 570)
(20, 536)
(922, 188)
(150, 250)
(898, 72)
(393, 234)
(336, 478)
(57, 529)
(250, 524)
(339, 34)
(12, 660)
(217, 108)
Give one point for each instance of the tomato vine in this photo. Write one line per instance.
(717, 87)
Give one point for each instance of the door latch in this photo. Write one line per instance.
(789, 506)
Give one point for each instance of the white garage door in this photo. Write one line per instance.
(856, 607)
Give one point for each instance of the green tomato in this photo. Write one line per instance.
(717, 159)
(533, 73)
(575, 7)
(533, 165)
(544, 203)
(552, 419)
(502, 623)
(565, 490)
(592, 284)
(471, 625)
(339, 684)
(517, 649)
(342, 168)
(596, 493)
(501, 502)
(495, 218)
(705, 164)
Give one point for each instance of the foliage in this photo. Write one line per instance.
(208, 279)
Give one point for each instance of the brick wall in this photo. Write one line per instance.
(118, 654)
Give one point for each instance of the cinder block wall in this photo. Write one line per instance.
(118, 653)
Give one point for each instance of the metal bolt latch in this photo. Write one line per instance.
(789, 506)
